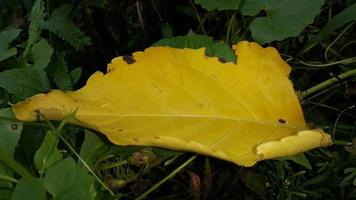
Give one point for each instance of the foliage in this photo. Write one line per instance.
(45, 45)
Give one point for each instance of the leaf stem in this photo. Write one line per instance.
(10, 162)
(344, 61)
(8, 178)
(328, 83)
(169, 176)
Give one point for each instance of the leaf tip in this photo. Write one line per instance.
(303, 141)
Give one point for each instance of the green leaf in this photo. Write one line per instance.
(166, 153)
(29, 189)
(5, 171)
(299, 159)
(219, 4)
(36, 18)
(59, 24)
(346, 16)
(41, 53)
(10, 131)
(48, 154)
(251, 7)
(255, 183)
(29, 81)
(75, 75)
(195, 41)
(285, 18)
(6, 37)
(92, 148)
(67, 181)
(59, 73)
(167, 30)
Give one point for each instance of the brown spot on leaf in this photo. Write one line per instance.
(222, 60)
(14, 126)
(128, 59)
(282, 121)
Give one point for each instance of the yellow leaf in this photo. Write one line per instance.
(180, 99)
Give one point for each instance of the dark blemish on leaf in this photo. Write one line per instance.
(120, 130)
(136, 140)
(282, 121)
(128, 59)
(14, 126)
(157, 137)
(38, 115)
(222, 60)
(75, 100)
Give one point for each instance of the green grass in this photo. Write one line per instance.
(59, 44)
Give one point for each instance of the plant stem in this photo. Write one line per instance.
(169, 176)
(328, 83)
(10, 162)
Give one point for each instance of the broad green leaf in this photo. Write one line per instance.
(59, 73)
(92, 148)
(30, 141)
(346, 16)
(181, 99)
(219, 4)
(67, 181)
(195, 41)
(48, 154)
(41, 54)
(10, 131)
(285, 18)
(29, 189)
(29, 81)
(60, 24)
(6, 37)
(251, 7)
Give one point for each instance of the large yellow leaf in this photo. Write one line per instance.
(181, 99)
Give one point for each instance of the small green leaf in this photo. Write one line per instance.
(60, 24)
(29, 81)
(10, 131)
(29, 189)
(36, 18)
(59, 73)
(219, 4)
(167, 30)
(166, 153)
(75, 75)
(285, 18)
(66, 181)
(48, 154)
(255, 183)
(6, 37)
(41, 53)
(299, 159)
(195, 41)
(92, 148)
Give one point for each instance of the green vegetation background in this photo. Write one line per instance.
(48, 44)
